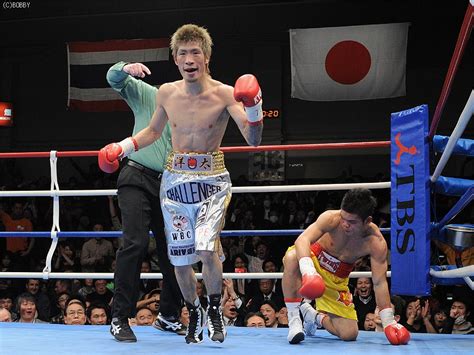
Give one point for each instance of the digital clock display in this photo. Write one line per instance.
(272, 113)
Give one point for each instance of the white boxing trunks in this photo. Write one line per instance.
(195, 192)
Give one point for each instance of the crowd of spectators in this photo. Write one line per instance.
(245, 302)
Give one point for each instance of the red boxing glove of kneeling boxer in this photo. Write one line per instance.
(312, 284)
(396, 333)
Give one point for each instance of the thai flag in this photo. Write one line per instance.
(88, 63)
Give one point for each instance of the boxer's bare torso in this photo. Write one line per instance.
(348, 245)
(198, 121)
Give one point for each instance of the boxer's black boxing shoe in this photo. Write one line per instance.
(197, 317)
(215, 322)
(121, 331)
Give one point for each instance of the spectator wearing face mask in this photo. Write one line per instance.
(457, 322)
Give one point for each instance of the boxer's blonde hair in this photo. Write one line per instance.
(192, 33)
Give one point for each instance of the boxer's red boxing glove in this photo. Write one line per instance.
(247, 90)
(108, 158)
(312, 284)
(110, 155)
(396, 333)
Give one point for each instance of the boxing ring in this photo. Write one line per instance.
(21, 338)
(45, 339)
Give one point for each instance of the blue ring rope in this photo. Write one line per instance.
(116, 234)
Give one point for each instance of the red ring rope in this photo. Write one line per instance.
(317, 146)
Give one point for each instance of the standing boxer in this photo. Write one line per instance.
(139, 200)
(196, 187)
(326, 252)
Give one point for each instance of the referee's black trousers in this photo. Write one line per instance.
(138, 197)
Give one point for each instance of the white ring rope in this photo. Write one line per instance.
(465, 273)
(457, 132)
(317, 187)
(153, 275)
(241, 189)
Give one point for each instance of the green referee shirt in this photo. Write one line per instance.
(141, 97)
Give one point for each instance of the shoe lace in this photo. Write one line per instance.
(171, 325)
(215, 316)
(118, 326)
(193, 320)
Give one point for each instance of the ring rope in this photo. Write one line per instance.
(464, 119)
(55, 192)
(117, 234)
(316, 146)
(153, 275)
(465, 273)
(239, 189)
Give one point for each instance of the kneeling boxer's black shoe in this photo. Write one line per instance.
(197, 317)
(121, 331)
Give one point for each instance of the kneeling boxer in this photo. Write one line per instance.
(318, 267)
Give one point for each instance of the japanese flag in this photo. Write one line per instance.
(348, 63)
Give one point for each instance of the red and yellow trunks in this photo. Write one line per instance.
(337, 299)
